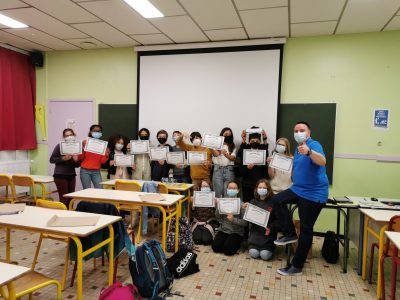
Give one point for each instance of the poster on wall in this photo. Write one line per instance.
(381, 118)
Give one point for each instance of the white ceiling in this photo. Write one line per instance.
(85, 24)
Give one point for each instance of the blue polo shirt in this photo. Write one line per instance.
(309, 180)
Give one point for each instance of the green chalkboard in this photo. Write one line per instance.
(118, 119)
(320, 116)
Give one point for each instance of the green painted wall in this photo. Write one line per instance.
(359, 72)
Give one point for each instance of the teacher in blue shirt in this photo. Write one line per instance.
(309, 191)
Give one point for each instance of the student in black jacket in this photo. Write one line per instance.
(160, 169)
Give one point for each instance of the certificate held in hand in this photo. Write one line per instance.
(229, 206)
(124, 160)
(70, 148)
(281, 162)
(158, 153)
(254, 157)
(176, 158)
(203, 199)
(196, 157)
(213, 141)
(256, 215)
(139, 147)
(96, 146)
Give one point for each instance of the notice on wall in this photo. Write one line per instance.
(381, 118)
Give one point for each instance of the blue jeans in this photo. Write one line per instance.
(221, 177)
(90, 176)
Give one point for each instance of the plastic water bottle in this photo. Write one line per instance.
(170, 175)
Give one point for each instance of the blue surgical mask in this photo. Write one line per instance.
(205, 189)
(96, 135)
(280, 148)
(232, 192)
(262, 192)
(300, 137)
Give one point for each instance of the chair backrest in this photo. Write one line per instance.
(5, 180)
(51, 204)
(162, 188)
(25, 181)
(394, 223)
(127, 186)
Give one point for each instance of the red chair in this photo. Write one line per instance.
(394, 225)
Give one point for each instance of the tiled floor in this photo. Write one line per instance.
(220, 277)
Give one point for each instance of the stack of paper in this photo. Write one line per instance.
(11, 209)
(151, 197)
(70, 221)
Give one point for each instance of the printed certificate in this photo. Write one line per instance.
(281, 162)
(254, 157)
(196, 157)
(203, 199)
(139, 147)
(256, 215)
(96, 146)
(175, 158)
(70, 148)
(158, 153)
(229, 206)
(121, 160)
(213, 141)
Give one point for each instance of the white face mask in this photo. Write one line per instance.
(300, 137)
(280, 148)
(197, 142)
(119, 146)
(70, 138)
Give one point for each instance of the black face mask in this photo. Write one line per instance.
(254, 145)
(162, 140)
(228, 139)
(144, 137)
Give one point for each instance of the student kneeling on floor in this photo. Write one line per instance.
(231, 230)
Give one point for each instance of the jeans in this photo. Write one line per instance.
(264, 254)
(90, 176)
(221, 177)
(308, 213)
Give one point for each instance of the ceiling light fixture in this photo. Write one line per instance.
(145, 8)
(11, 22)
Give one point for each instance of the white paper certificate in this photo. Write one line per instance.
(256, 215)
(229, 206)
(158, 153)
(70, 148)
(281, 162)
(96, 146)
(139, 147)
(213, 141)
(254, 157)
(203, 199)
(175, 158)
(121, 160)
(196, 157)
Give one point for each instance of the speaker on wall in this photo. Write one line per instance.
(37, 59)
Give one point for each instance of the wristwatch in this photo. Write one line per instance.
(309, 152)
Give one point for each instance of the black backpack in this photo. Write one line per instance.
(183, 263)
(330, 247)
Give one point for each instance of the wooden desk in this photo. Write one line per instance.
(382, 217)
(34, 219)
(394, 237)
(8, 274)
(177, 188)
(127, 197)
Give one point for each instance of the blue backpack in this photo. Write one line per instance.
(149, 270)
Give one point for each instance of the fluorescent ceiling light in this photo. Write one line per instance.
(145, 8)
(11, 22)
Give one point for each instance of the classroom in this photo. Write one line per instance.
(216, 85)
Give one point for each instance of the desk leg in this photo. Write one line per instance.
(11, 291)
(43, 187)
(381, 245)
(346, 240)
(79, 262)
(111, 257)
(8, 244)
(164, 228)
(360, 243)
(177, 217)
(364, 248)
(189, 196)
(395, 261)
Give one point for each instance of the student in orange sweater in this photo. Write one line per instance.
(91, 162)
(199, 172)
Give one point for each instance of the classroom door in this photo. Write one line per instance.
(78, 115)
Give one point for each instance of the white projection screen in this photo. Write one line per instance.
(208, 91)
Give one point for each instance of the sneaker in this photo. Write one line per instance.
(290, 271)
(286, 240)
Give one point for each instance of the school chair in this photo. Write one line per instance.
(53, 205)
(394, 225)
(7, 184)
(134, 187)
(24, 181)
(28, 284)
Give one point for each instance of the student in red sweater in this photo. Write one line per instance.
(91, 162)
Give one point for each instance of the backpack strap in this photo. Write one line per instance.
(130, 248)
(155, 268)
